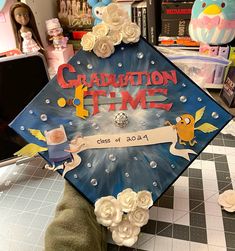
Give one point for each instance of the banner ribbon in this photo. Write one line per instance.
(166, 134)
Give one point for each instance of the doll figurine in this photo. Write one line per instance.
(55, 30)
(25, 30)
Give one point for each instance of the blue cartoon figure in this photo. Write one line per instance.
(213, 21)
(97, 9)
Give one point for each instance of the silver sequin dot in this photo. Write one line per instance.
(184, 85)
(122, 48)
(172, 166)
(75, 176)
(152, 62)
(158, 115)
(22, 128)
(155, 183)
(70, 123)
(140, 55)
(121, 119)
(153, 164)
(135, 158)
(112, 157)
(127, 175)
(78, 62)
(183, 99)
(107, 170)
(89, 165)
(119, 64)
(199, 99)
(89, 66)
(30, 111)
(96, 127)
(47, 101)
(43, 117)
(215, 115)
(94, 182)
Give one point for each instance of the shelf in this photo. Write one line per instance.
(213, 86)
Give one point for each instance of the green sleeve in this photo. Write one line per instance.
(74, 226)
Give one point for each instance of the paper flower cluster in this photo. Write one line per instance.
(116, 27)
(124, 215)
(227, 200)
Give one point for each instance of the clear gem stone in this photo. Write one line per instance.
(89, 165)
(183, 99)
(119, 64)
(89, 67)
(94, 182)
(140, 55)
(47, 101)
(112, 157)
(22, 128)
(75, 176)
(215, 115)
(43, 117)
(153, 164)
(127, 175)
(155, 183)
(199, 99)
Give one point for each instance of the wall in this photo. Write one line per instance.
(7, 39)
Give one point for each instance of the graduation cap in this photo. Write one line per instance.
(132, 120)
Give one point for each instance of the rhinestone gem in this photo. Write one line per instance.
(172, 166)
(107, 170)
(43, 117)
(153, 164)
(112, 157)
(152, 62)
(78, 62)
(121, 119)
(75, 176)
(119, 64)
(47, 101)
(199, 99)
(215, 115)
(183, 99)
(122, 48)
(96, 127)
(89, 67)
(22, 128)
(70, 123)
(89, 165)
(140, 55)
(127, 175)
(184, 85)
(135, 158)
(155, 183)
(158, 115)
(94, 182)
(30, 111)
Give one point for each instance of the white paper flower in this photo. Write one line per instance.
(139, 217)
(227, 200)
(114, 16)
(130, 32)
(103, 47)
(108, 211)
(115, 36)
(144, 199)
(100, 30)
(88, 41)
(125, 234)
(127, 199)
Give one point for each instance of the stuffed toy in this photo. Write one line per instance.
(213, 21)
(97, 9)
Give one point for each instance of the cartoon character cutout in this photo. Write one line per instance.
(57, 143)
(97, 9)
(185, 127)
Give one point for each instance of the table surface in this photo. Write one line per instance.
(187, 216)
